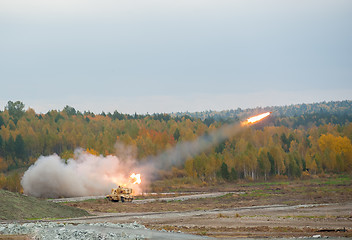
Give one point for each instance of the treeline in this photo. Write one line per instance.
(290, 146)
(325, 112)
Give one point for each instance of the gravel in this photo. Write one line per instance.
(92, 231)
(51, 230)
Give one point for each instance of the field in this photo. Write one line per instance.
(320, 206)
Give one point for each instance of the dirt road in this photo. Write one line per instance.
(254, 221)
(183, 197)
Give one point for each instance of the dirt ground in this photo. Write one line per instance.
(281, 209)
(14, 237)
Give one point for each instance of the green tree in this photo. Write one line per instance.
(233, 174)
(272, 163)
(224, 171)
(15, 109)
(70, 111)
(285, 142)
(10, 147)
(2, 122)
(177, 134)
(292, 170)
(19, 147)
(10, 152)
(1, 147)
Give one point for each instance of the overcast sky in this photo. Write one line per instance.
(174, 55)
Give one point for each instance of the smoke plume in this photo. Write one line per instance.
(86, 175)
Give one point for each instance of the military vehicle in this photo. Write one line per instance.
(120, 194)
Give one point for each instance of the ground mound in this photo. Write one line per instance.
(15, 206)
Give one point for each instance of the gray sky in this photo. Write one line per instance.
(168, 56)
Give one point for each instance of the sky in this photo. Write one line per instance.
(153, 56)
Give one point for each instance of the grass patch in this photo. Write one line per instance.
(332, 180)
(258, 194)
(226, 196)
(269, 183)
(14, 206)
(341, 180)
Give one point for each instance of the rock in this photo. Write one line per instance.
(9, 226)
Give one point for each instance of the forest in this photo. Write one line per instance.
(294, 142)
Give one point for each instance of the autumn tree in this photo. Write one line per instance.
(277, 155)
(263, 162)
(3, 164)
(336, 153)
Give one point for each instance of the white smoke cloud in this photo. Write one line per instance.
(85, 175)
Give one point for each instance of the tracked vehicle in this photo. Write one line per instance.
(120, 194)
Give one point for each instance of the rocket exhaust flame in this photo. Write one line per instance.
(136, 178)
(256, 118)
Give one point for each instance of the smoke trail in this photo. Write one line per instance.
(182, 151)
(86, 175)
(185, 150)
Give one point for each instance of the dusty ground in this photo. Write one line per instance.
(14, 237)
(281, 209)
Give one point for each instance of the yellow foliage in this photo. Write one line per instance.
(3, 164)
(311, 163)
(190, 168)
(92, 151)
(12, 182)
(67, 155)
(337, 144)
(337, 152)
(2, 180)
